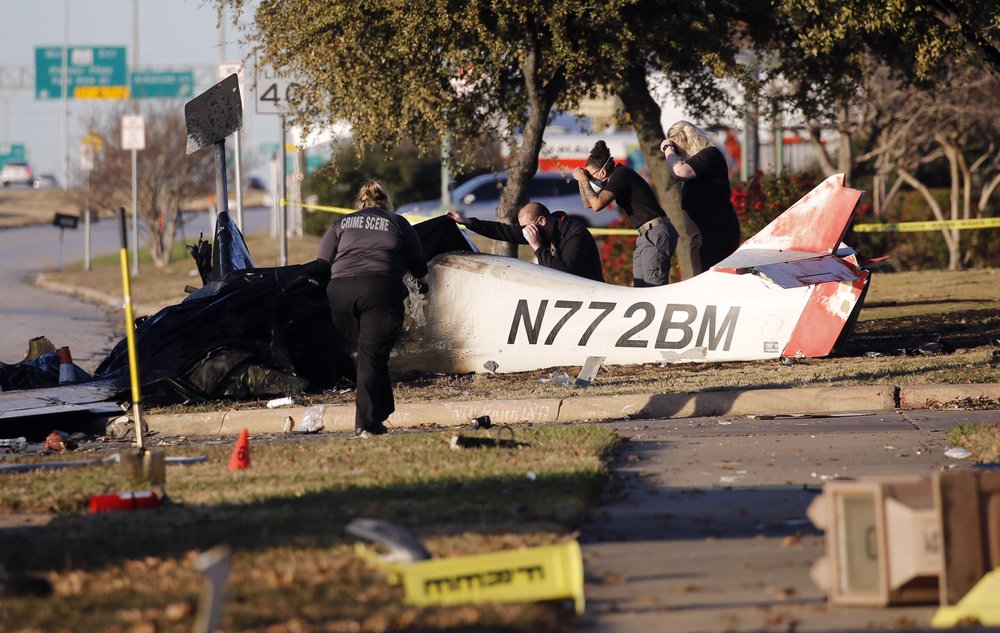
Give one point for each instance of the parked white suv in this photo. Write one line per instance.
(16, 172)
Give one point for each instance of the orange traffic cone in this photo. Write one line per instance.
(66, 374)
(241, 453)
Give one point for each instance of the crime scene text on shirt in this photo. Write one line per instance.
(370, 223)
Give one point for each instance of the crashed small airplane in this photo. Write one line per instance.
(791, 290)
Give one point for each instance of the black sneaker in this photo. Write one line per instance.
(379, 429)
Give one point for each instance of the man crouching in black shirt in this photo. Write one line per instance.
(559, 241)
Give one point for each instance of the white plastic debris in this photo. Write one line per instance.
(562, 379)
(312, 420)
(958, 453)
(14, 445)
(531, 475)
(280, 402)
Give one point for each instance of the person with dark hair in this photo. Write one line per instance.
(559, 241)
(369, 252)
(694, 159)
(603, 182)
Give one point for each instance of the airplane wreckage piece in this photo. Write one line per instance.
(791, 290)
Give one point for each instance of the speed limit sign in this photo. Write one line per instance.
(273, 92)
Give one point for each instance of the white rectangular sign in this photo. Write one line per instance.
(86, 156)
(229, 68)
(273, 92)
(133, 132)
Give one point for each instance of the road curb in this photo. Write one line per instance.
(933, 396)
(340, 417)
(43, 281)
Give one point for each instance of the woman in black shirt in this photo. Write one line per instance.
(693, 158)
(369, 252)
(603, 182)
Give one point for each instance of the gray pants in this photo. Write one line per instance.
(651, 257)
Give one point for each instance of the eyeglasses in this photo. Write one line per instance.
(524, 226)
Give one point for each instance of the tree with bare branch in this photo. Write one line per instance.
(167, 179)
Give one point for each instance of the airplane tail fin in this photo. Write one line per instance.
(815, 224)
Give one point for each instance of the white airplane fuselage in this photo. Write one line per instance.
(785, 292)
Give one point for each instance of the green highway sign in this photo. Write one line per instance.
(93, 72)
(11, 151)
(162, 84)
(268, 149)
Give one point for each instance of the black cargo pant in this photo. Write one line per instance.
(368, 311)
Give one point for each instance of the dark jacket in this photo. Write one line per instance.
(572, 250)
(372, 242)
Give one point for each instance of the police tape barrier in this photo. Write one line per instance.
(343, 210)
(550, 572)
(897, 227)
(930, 225)
(420, 218)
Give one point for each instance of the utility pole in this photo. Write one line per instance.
(65, 96)
(135, 155)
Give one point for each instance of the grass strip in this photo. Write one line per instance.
(284, 517)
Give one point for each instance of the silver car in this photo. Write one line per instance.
(479, 197)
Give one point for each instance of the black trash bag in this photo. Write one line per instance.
(441, 235)
(230, 252)
(36, 373)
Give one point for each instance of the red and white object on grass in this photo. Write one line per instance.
(125, 501)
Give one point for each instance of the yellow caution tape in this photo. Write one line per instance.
(897, 227)
(551, 572)
(344, 210)
(931, 225)
(599, 232)
(980, 606)
(317, 207)
(421, 218)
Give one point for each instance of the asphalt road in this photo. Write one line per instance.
(704, 527)
(27, 312)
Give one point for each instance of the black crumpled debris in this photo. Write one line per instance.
(279, 317)
(202, 254)
(250, 332)
(36, 373)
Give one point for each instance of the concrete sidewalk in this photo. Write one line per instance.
(576, 408)
(704, 527)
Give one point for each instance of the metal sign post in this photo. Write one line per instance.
(282, 205)
(226, 69)
(64, 222)
(87, 165)
(272, 95)
(134, 138)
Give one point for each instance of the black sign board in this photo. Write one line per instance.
(64, 221)
(214, 114)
